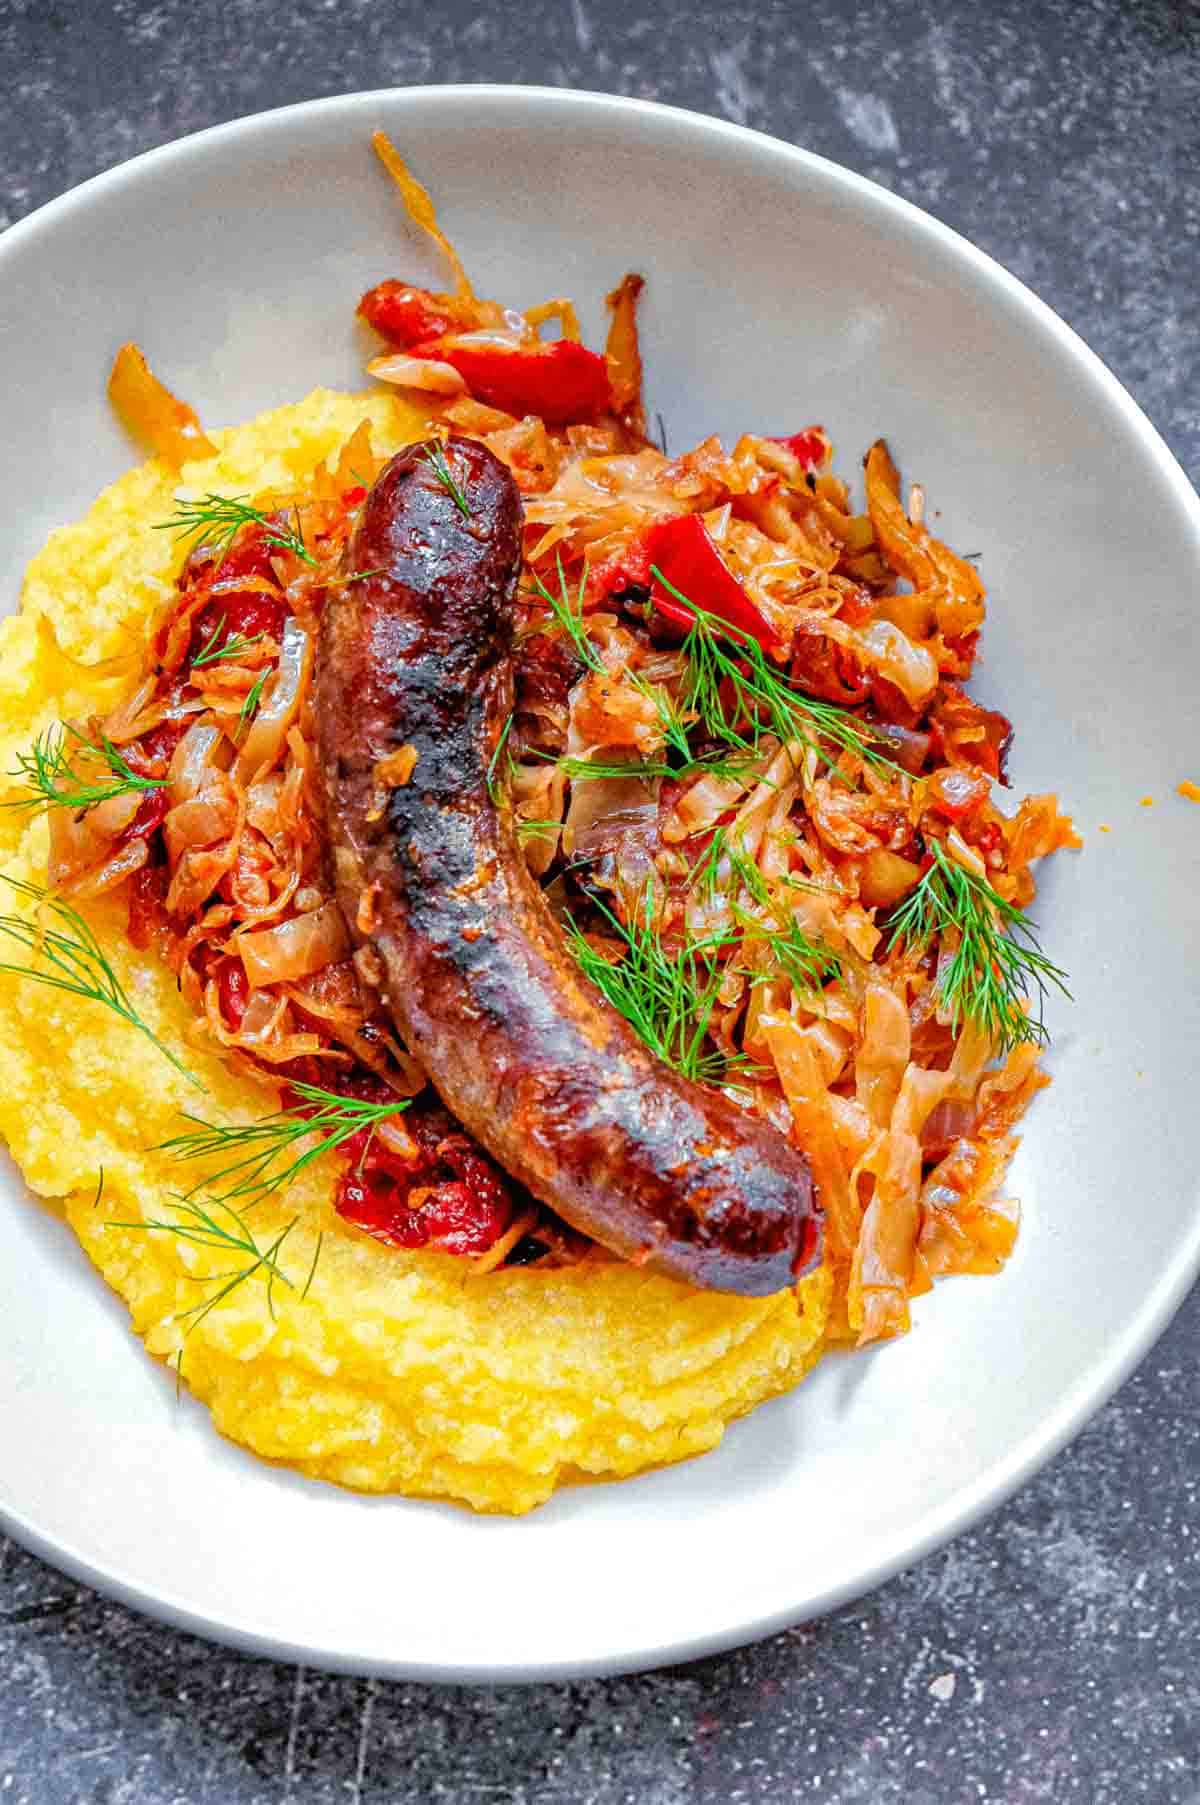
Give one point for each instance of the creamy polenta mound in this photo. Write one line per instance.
(397, 1371)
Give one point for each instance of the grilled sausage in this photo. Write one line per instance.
(415, 664)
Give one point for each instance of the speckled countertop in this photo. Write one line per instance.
(1052, 1655)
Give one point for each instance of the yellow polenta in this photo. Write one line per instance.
(398, 1371)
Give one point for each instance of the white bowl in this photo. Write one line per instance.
(782, 290)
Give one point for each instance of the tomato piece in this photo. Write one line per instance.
(962, 647)
(857, 608)
(629, 569)
(810, 446)
(233, 991)
(561, 381)
(828, 671)
(449, 1216)
(447, 1194)
(151, 813)
(956, 720)
(249, 615)
(986, 836)
(151, 755)
(146, 900)
(453, 1216)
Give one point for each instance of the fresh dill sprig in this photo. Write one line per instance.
(270, 1153)
(582, 769)
(217, 519)
(234, 646)
(250, 703)
(567, 610)
(809, 963)
(54, 782)
(73, 960)
(670, 716)
(668, 998)
(538, 830)
(997, 960)
(764, 701)
(223, 1229)
(493, 782)
(674, 726)
(435, 456)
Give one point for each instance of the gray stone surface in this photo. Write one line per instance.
(1052, 1655)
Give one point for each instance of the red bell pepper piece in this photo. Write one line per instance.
(151, 813)
(682, 549)
(560, 380)
(409, 316)
(810, 446)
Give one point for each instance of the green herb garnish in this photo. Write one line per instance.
(435, 456)
(667, 997)
(250, 704)
(807, 962)
(763, 700)
(226, 1231)
(567, 610)
(493, 784)
(234, 646)
(217, 520)
(55, 783)
(997, 959)
(73, 960)
(583, 769)
(270, 1153)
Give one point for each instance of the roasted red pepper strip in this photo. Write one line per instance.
(561, 380)
(810, 446)
(151, 813)
(683, 550)
(412, 316)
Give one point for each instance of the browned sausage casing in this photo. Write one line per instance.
(475, 970)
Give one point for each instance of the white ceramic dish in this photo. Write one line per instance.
(782, 290)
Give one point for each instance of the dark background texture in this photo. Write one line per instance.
(1050, 1655)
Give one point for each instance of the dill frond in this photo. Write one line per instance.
(221, 1228)
(567, 610)
(809, 963)
(216, 520)
(54, 782)
(70, 958)
(668, 998)
(581, 770)
(250, 703)
(493, 782)
(763, 700)
(271, 1153)
(997, 960)
(434, 455)
(235, 645)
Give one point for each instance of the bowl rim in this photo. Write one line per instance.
(1072, 1411)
